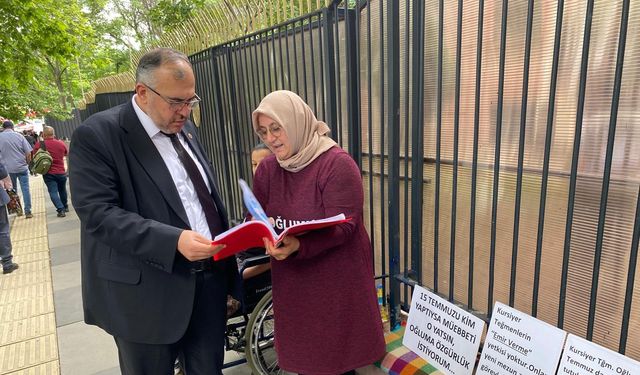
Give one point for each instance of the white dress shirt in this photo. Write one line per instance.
(186, 190)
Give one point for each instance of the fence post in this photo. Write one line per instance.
(234, 112)
(393, 128)
(328, 16)
(417, 140)
(353, 87)
(222, 141)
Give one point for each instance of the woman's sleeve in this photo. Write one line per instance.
(341, 194)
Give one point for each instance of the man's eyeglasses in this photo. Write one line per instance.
(275, 130)
(175, 104)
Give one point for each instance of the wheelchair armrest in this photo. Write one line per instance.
(254, 261)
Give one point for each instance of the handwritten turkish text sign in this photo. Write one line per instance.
(443, 334)
(520, 344)
(584, 357)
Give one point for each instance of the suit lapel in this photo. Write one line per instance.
(149, 157)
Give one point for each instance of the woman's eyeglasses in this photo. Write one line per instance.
(175, 104)
(275, 130)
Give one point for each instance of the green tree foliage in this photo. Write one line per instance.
(168, 14)
(52, 50)
(40, 40)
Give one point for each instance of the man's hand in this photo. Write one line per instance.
(290, 244)
(195, 246)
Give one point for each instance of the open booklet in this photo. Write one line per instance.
(250, 234)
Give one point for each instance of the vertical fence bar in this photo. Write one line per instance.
(357, 10)
(282, 76)
(496, 167)
(255, 72)
(243, 91)
(474, 167)
(417, 136)
(523, 125)
(370, 132)
(353, 89)
(436, 204)
(208, 63)
(304, 60)
(260, 50)
(407, 131)
(234, 114)
(313, 68)
(456, 141)
(393, 122)
(383, 237)
(631, 277)
(273, 81)
(584, 65)
(245, 110)
(222, 145)
(330, 73)
(264, 46)
(338, 91)
(549, 136)
(613, 120)
(233, 164)
(295, 57)
(289, 77)
(321, 25)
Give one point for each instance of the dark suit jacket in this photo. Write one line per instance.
(135, 284)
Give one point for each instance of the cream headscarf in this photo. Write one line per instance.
(307, 135)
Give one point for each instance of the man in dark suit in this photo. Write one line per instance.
(148, 205)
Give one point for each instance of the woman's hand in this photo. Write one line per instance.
(290, 244)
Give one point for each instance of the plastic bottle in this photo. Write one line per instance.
(383, 309)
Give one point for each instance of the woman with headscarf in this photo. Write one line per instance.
(326, 314)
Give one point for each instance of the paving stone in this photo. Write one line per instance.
(26, 309)
(21, 330)
(29, 353)
(65, 254)
(25, 292)
(48, 368)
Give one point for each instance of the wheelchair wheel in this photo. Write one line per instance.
(260, 346)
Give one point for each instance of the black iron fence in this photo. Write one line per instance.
(496, 142)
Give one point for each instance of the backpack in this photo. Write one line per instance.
(41, 161)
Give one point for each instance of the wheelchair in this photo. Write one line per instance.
(250, 329)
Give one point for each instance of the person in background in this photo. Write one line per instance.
(149, 205)
(324, 296)
(16, 155)
(56, 177)
(257, 154)
(30, 137)
(8, 265)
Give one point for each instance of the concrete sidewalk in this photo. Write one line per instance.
(41, 322)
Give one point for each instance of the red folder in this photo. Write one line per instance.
(251, 233)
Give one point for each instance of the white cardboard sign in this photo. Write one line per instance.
(584, 357)
(520, 344)
(443, 334)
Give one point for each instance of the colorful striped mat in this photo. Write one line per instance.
(402, 361)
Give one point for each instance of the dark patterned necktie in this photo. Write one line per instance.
(206, 200)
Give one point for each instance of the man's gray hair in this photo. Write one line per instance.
(48, 131)
(156, 58)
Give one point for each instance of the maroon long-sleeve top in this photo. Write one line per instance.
(327, 319)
